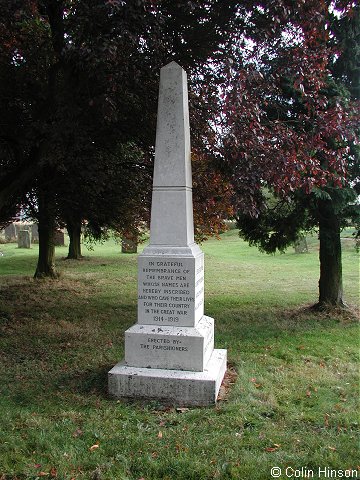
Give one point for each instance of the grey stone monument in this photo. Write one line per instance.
(169, 352)
(128, 245)
(59, 238)
(10, 233)
(24, 239)
(34, 233)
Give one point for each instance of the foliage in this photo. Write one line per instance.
(291, 129)
(79, 86)
(76, 89)
(288, 126)
(212, 197)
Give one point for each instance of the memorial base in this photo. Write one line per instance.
(177, 387)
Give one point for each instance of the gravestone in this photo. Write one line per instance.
(300, 245)
(128, 245)
(34, 233)
(24, 239)
(59, 238)
(169, 352)
(19, 226)
(10, 233)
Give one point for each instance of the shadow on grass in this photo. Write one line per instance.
(90, 381)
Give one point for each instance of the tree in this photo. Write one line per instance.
(78, 81)
(292, 129)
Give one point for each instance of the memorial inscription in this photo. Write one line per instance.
(170, 290)
(183, 348)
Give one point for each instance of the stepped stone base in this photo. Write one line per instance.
(178, 387)
(175, 348)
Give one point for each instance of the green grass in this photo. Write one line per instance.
(294, 402)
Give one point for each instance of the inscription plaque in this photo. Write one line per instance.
(183, 348)
(170, 290)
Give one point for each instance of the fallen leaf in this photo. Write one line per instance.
(275, 447)
(37, 465)
(222, 392)
(332, 448)
(78, 432)
(94, 447)
(326, 419)
(257, 385)
(53, 472)
(160, 435)
(300, 347)
(180, 448)
(308, 393)
(154, 454)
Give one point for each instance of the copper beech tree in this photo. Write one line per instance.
(78, 87)
(291, 131)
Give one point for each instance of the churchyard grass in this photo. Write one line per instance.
(291, 400)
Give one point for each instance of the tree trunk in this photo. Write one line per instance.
(46, 227)
(74, 231)
(330, 283)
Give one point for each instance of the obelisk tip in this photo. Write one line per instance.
(172, 65)
(172, 211)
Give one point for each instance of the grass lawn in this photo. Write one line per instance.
(293, 403)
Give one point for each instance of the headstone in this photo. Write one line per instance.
(24, 239)
(169, 352)
(19, 226)
(128, 245)
(34, 233)
(10, 233)
(59, 238)
(301, 245)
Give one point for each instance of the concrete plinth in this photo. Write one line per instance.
(177, 387)
(181, 348)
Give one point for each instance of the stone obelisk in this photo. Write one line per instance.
(169, 352)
